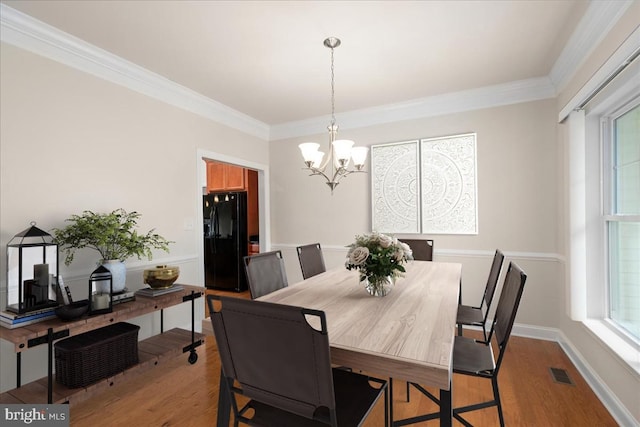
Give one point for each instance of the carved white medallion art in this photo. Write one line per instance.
(448, 185)
(426, 186)
(394, 187)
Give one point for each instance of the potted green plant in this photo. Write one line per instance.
(113, 235)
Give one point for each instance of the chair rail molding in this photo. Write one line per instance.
(458, 253)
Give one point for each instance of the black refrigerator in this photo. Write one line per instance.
(225, 240)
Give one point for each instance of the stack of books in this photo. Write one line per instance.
(11, 320)
(124, 296)
(150, 292)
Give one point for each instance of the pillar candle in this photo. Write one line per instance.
(41, 274)
(100, 301)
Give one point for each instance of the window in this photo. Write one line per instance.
(621, 134)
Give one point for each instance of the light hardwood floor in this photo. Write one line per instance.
(180, 394)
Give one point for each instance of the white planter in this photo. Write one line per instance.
(118, 273)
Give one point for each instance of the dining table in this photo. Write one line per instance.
(406, 335)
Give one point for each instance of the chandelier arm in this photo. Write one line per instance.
(342, 172)
(338, 174)
(329, 158)
(315, 171)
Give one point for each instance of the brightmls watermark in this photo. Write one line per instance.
(54, 415)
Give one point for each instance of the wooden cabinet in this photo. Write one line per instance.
(225, 177)
(235, 178)
(253, 248)
(253, 214)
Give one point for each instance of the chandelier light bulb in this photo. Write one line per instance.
(359, 156)
(309, 150)
(317, 162)
(342, 149)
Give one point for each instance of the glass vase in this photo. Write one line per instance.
(378, 286)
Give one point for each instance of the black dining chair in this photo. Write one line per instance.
(476, 357)
(422, 248)
(311, 260)
(278, 356)
(265, 273)
(477, 316)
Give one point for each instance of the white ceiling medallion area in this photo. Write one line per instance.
(33, 35)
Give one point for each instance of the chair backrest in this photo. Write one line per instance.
(311, 260)
(265, 273)
(507, 308)
(275, 355)
(492, 283)
(422, 248)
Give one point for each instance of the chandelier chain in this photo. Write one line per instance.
(333, 99)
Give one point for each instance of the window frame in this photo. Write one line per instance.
(618, 106)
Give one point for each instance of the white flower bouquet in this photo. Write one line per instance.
(378, 256)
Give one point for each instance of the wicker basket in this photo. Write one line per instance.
(89, 357)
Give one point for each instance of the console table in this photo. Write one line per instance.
(151, 350)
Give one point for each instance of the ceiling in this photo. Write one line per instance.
(266, 59)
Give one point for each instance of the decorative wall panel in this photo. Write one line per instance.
(394, 187)
(426, 186)
(448, 185)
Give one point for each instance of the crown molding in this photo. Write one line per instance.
(599, 18)
(21, 30)
(26, 32)
(454, 102)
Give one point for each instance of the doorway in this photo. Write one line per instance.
(255, 179)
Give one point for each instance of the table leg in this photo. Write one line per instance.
(446, 411)
(224, 403)
(390, 401)
(18, 369)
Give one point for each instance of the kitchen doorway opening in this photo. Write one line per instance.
(230, 188)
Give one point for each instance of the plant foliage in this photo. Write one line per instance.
(112, 234)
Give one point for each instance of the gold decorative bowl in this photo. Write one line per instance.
(161, 276)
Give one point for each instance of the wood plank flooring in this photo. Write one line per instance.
(180, 394)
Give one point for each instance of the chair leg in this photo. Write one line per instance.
(460, 303)
(408, 391)
(496, 396)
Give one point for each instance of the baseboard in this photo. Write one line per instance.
(617, 410)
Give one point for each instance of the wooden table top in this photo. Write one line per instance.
(407, 334)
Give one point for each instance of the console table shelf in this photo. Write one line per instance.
(151, 351)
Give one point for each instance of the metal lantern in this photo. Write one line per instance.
(100, 291)
(32, 270)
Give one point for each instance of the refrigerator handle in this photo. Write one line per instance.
(215, 228)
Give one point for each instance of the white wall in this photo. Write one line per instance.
(517, 187)
(70, 141)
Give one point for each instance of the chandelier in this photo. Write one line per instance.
(341, 151)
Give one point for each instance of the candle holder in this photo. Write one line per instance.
(100, 291)
(32, 267)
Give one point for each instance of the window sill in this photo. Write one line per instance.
(628, 353)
